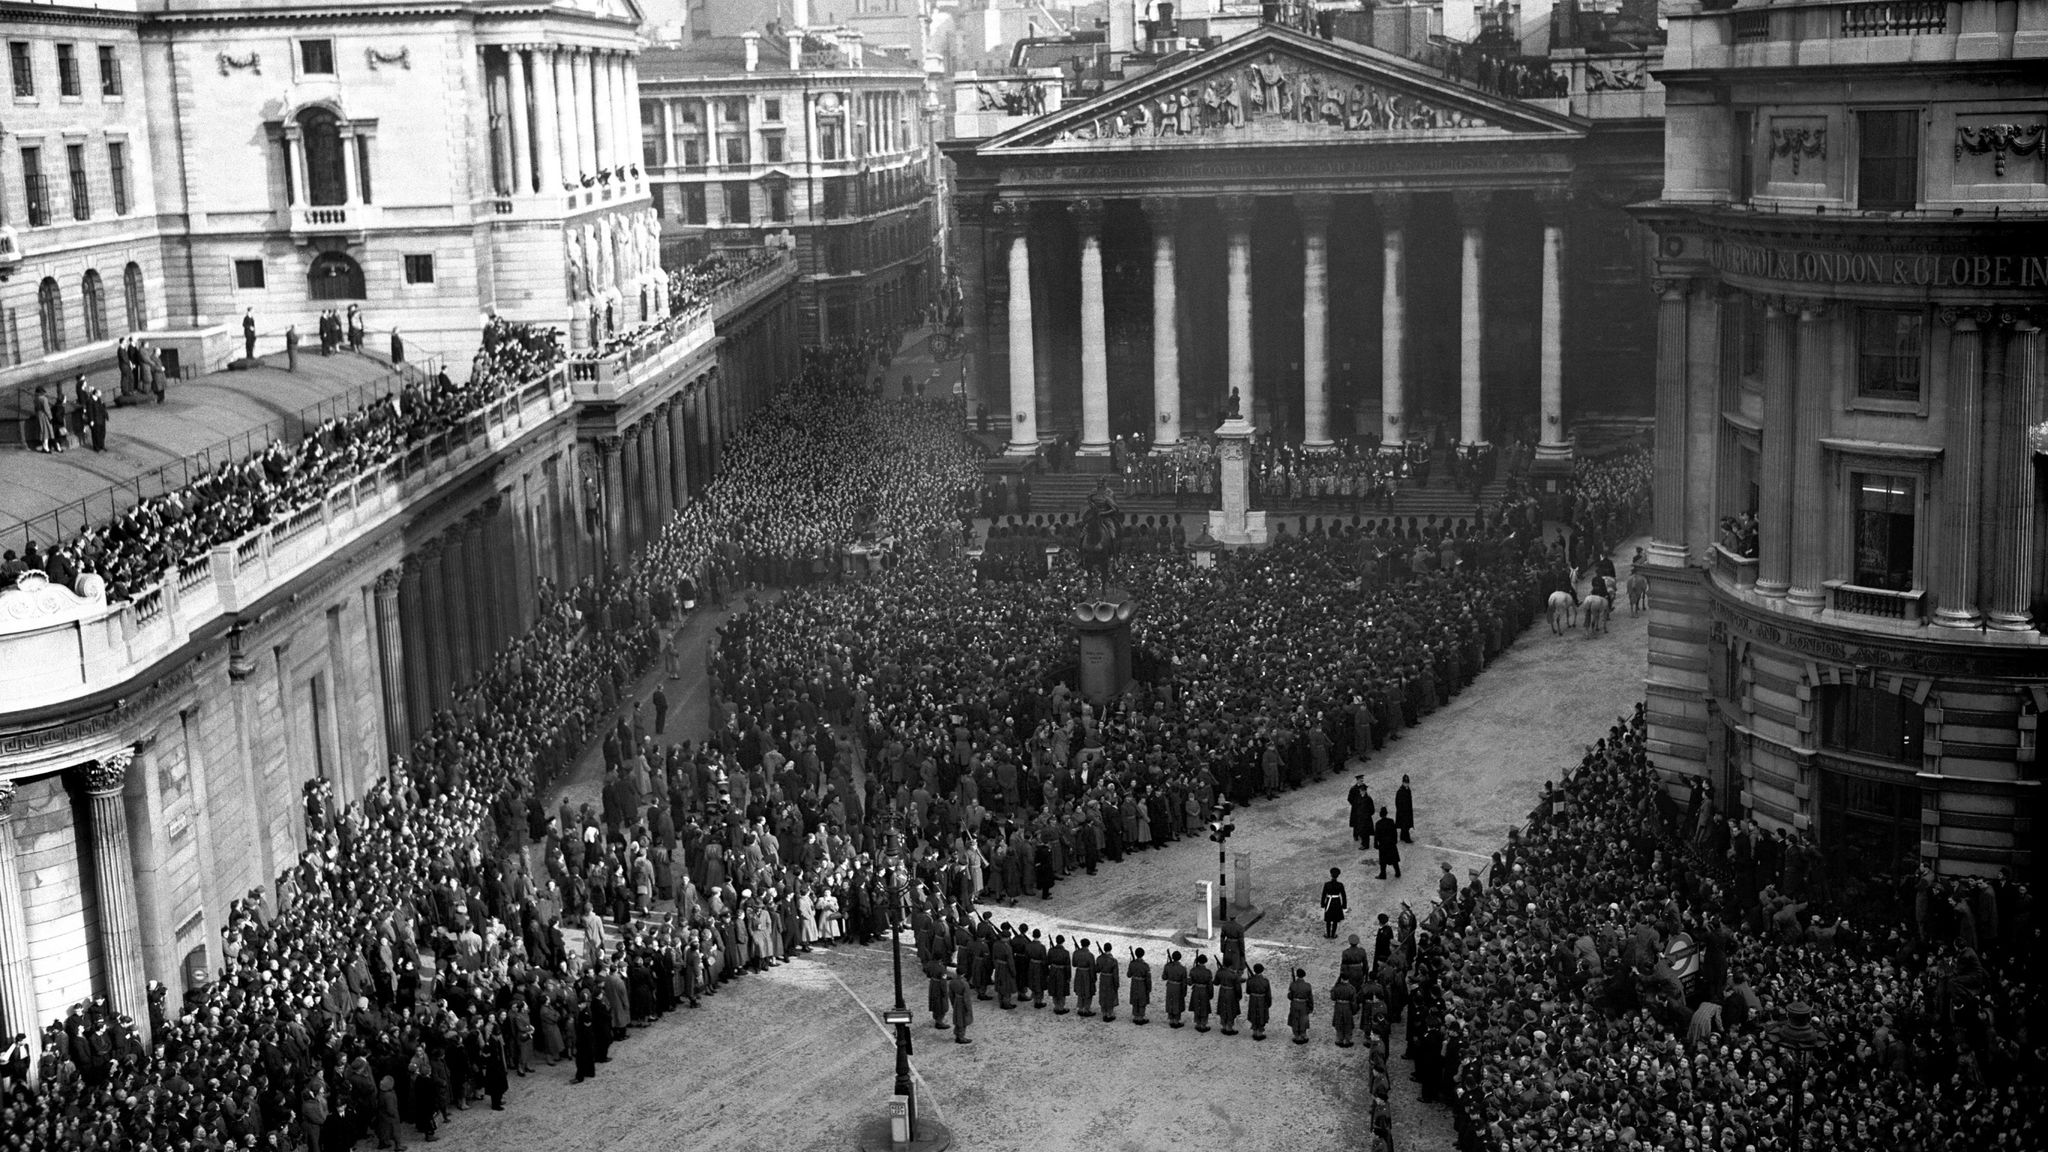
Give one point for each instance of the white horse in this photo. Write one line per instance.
(1563, 612)
(1638, 593)
(1596, 609)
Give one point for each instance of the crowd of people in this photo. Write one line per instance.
(137, 548)
(1621, 979)
(1608, 502)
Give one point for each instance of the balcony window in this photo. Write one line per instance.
(81, 191)
(1884, 532)
(1888, 353)
(1887, 159)
(50, 311)
(117, 175)
(828, 140)
(24, 66)
(249, 275)
(778, 203)
(110, 71)
(316, 57)
(67, 71)
(320, 136)
(1871, 722)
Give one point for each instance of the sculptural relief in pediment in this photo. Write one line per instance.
(1277, 98)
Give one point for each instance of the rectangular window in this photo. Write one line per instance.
(1871, 722)
(693, 153)
(24, 66)
(693, 203)
(771, 147)
(771, 109)
(1884, 532)
(10, 339)
(735, 149)
(316, 57)
(828, 140)
(738, 203)
(1887, 159)
(110, 71)
(419, 269)
(248, 274)
(36, 186)
(691, 116)
(735, 110)
(67, 71)
(117, 172)
(1888, 353)
(81, 192)
(835, 197)
(778, 203)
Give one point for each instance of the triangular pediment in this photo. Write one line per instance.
(1274, 86)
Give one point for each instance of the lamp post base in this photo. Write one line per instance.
(932, 1136)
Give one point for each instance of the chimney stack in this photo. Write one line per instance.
(852, 42)
(753, 42)
(796, 50)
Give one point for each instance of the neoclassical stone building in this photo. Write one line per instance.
(1354, 243)
(1852, 265)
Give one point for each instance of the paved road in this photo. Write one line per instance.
(795, 1058)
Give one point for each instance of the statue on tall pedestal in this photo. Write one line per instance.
(1102, 523)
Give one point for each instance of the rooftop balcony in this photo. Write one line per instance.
(649, 353)
(56, 646)
(1715, 34)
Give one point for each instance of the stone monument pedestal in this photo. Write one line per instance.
(1104, 625)
(1236, 524)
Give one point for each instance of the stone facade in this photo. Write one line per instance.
(1849, 351)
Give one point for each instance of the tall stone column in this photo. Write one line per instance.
(145, 846)
(601, 108)
(478, 553)
(611, 452)
(1471, 316)
(520, 114)
(1314, 211)
(501, 112)
(1550, 438)
(643, 488)
(391, 661)
(1955, 553)
(1668, 497)
(678, 453)
(1809, 501)
(657, 426)
(547, 121)
(1164, 212)
(455, 593)
(2008, 603)
(1087, 216)
(581, 68)
(1780, 440)
(17, 972)
(415, 643)
(1238, 214)
(1393, 209)
(114, 880)
(1015, 216)
(575, 124)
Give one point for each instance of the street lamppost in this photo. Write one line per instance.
(1220, 831)
(900, 1014)
(1800, 1040)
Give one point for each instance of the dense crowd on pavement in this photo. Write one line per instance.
(1609, 500)
(448, 932)
(1630, 974)
(140, 546)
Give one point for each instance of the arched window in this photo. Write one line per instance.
(50, 308)
(335, 277)
(138, 304)
(326, 178)
(95, 294)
